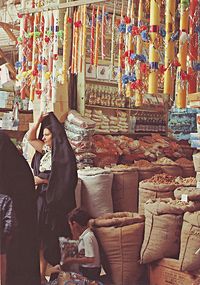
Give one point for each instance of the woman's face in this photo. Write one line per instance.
(47, 137)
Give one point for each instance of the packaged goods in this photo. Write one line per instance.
(68, 248)
(120, 237)
(80, 121)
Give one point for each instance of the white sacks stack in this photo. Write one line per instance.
(79, 131)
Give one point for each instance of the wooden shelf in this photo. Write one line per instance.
(124, 108)
(101, 82)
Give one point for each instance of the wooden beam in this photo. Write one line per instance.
(9, 32)
(10, 26)
(10, 65)
(60, 6)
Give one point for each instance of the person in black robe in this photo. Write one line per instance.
(55, 185)
(16, 181)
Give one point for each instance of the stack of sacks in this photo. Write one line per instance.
(79, 131)
(108, 124)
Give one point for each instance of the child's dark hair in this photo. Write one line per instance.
(49, 127)
(80, 216)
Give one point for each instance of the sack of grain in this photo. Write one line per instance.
(163, 222)
(192, 193)
(96, 196)
(159, 186)
(196, 160)
(146, 169)
(125, 190)
(169, 167)
(187, 167)
(120, 237)
(190, 242)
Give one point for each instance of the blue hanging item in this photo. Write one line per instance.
(122, 28)
(145, 36)
(134, 56)
(175, 36)
(132, 77)
(130, 27)
(196, 66)
(125, 79)
(18, 64)
(142, 58)
(162, 32)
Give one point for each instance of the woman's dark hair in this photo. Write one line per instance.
(49, 127)
(80, 216)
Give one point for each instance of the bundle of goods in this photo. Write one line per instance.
(190, 242)
(163, 223)
(158, 186)
(146, 169)
(79, 131)
(182, 122)
(105, 150)
(124, 188)
(108, 124)
(187, 167)
(96, 195)
(120, 237)
(168, 166)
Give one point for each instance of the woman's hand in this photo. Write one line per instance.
(39, 180)
(42, 116)
(55, 269)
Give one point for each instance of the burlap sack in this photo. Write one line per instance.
(145, 195)
(125, 191)
(148, 172)
(173, 170)
(120, 238)
(192, 192)
(149, 190)
(190, 242)
(163, 222)
(188, 171)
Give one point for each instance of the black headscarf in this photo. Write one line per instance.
(16, 181)
(60, 194)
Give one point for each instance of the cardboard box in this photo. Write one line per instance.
(167, 272)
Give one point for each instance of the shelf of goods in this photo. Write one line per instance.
(182, 122)
(116, 114)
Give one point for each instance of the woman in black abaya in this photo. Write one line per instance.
(55, 173)
(16, 181)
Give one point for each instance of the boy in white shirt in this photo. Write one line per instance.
(88, 249)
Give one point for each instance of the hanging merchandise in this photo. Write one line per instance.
(181, 82)
(112, 54)
(154, 45)
(122, 30)
(55, 55)
(169, 47)
(193, 46)
(96, 50)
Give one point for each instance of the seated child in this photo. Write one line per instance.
(7, 226)
(88, 250)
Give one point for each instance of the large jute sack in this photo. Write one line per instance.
(125, 191)
(187, 167)
(196, 160)
(173, 170)
(190, 242)
(163, 222)
(148, 190)
(192, 192)
(148, 172)
(96, 196)
(120, 237)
